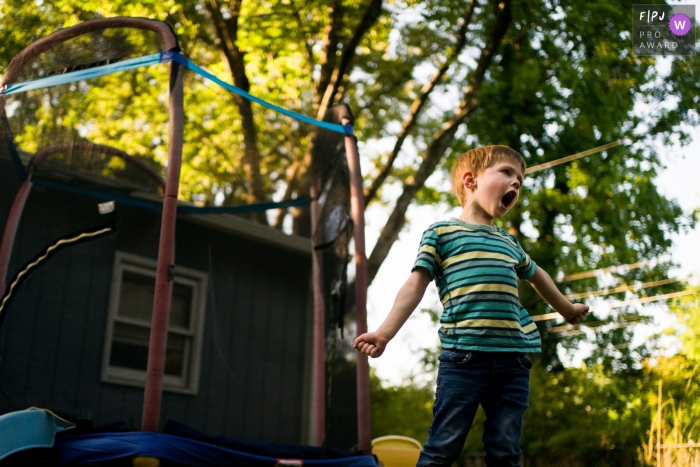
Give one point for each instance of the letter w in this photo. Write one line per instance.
(679, 25)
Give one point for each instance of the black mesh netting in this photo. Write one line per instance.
(90, 50)
(333, 231)
(332, 236)
(110, 135)
(90, 133)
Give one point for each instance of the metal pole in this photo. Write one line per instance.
(357, 203)
(166, 260)
(8, 237)
(319, 387)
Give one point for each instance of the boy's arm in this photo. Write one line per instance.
(544, 285)
(408, 298)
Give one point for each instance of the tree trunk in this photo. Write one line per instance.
(332, 77)
(419, 103)
(226, 35)
(441, 142)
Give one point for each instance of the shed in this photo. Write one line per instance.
(76, 332)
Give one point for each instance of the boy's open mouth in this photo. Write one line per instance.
(508, 198)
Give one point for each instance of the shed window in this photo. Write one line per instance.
(129, 325)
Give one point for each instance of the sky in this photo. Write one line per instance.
(401, 359)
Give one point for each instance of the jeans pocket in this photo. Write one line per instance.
(454, 357)
(525, 362)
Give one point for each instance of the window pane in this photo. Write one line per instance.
(129, 347)
(180, 306)
(175, 355)
(136, 300)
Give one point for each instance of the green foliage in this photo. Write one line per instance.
(687, 311)
(281, 56)
(567, 81)
(403, 410)
(581, 412)
(674, 410)
(563, 80)
(590, 415)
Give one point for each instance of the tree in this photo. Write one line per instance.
(556, 87)
(434, 77)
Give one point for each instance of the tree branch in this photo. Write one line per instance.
(296, 180)
(329, 49)
(329, 85)
(419, 103)
(227, 34)
(329, 92)
(309, 49)
(441, 141)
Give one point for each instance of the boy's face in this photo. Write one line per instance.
(494, 192)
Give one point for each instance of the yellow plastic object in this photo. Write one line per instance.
(396, 451)
(145, 461)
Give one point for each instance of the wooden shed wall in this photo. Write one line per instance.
(254, 368)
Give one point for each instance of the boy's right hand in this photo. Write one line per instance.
(371, 344)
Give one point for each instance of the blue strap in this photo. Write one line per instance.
(141, 203)
(243, 208)
(179, 58)
(80, 75)
(156, 206)
(152, 59)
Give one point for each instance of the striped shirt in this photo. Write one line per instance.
(476, 269)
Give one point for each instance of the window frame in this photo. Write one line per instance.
(198, 280)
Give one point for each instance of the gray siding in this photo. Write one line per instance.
(252, 375)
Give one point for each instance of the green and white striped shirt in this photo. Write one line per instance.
(476, 269)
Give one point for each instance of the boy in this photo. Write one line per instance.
(484, 332)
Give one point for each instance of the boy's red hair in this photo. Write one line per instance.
(479, 159)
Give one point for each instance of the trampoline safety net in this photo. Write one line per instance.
(90, 115)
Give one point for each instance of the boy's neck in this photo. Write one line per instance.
(472, 215)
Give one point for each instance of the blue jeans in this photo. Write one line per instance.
(501, 384)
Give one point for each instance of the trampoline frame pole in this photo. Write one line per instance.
(166, 259)
(357, 204)
(10, 232)
(319, 355)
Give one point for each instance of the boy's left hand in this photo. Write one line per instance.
(579, 312)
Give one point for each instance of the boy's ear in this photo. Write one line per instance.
(468, 180)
